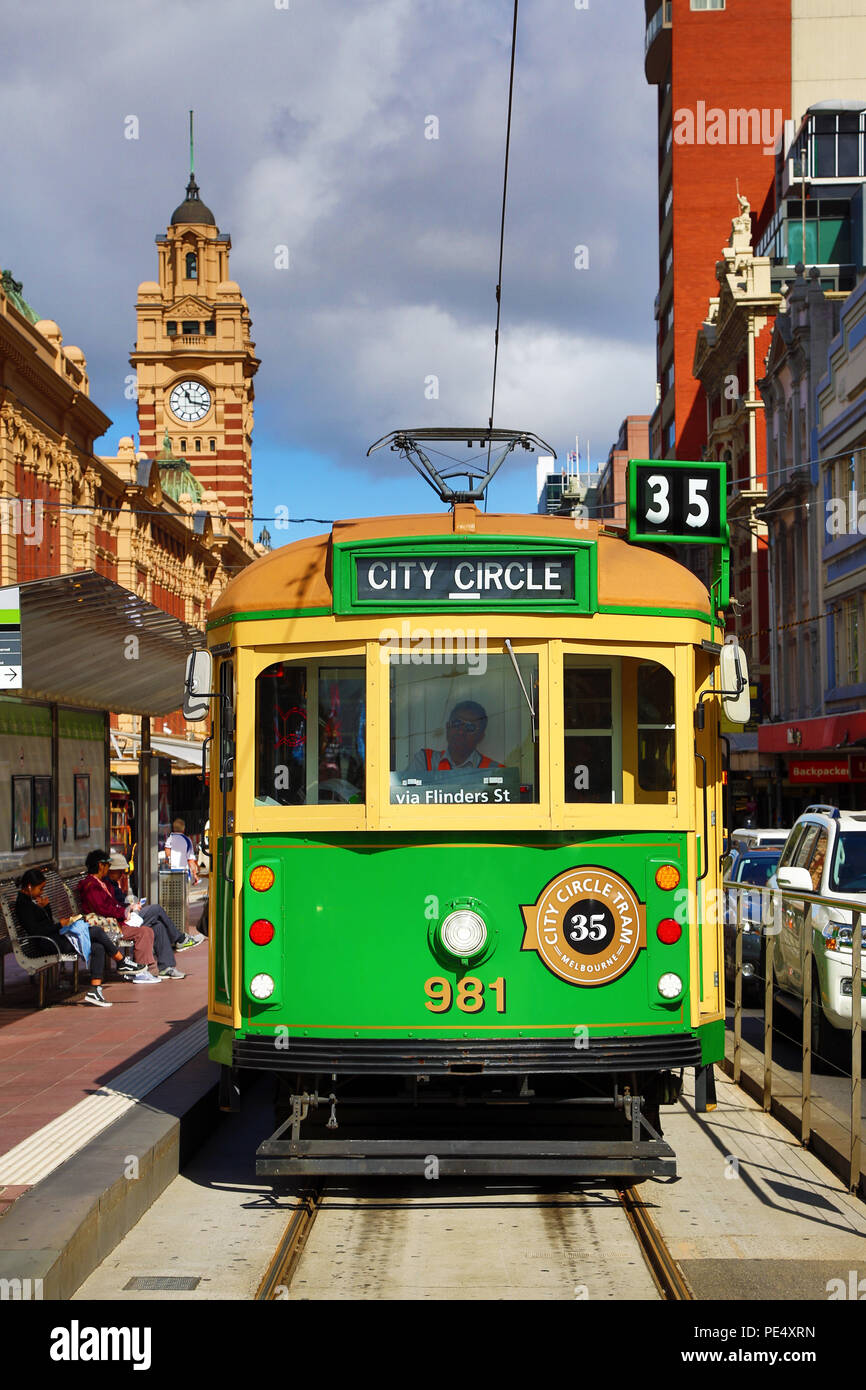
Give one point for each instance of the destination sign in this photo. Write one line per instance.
(453, 578)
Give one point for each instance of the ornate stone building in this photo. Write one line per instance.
(729, 353)
(147, 523)
(194, 359)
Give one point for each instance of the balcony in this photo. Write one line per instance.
(657, 46)
(179, 341)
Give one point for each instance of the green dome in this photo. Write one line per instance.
(174, 475)
(12, 290)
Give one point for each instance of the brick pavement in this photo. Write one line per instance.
(52, 1058)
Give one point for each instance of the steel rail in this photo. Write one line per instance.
(278, 1275)
(667, 1275)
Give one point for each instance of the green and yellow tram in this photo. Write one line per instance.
(466, 827)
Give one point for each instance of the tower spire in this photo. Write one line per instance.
(191, 164)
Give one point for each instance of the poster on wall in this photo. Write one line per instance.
(22, 812)
(42, 811)
(82, 805)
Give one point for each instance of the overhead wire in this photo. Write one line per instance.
(502, 239)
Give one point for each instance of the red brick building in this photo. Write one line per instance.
(724, 78)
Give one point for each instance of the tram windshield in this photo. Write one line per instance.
(293, 766)
(461, 730)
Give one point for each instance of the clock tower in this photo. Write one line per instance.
(194, 359)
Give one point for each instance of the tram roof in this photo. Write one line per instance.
(298, 576)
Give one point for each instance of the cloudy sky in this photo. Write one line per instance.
(310, 133)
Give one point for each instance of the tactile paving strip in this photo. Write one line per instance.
(34, 1158)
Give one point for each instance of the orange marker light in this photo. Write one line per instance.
(262, 878)
(667, 876)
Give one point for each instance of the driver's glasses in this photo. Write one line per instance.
(469, 726)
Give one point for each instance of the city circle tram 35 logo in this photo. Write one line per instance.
(587, 926)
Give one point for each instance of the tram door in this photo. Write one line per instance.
(708, 837)
(222, 825)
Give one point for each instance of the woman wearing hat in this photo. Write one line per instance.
(95, 895)
(166, 936)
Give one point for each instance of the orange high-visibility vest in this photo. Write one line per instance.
(445, 764)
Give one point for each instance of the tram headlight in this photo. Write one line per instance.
(463, 933)
(670, 986)
(261, 986)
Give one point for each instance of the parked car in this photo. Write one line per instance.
(753, 868)
(758, 839)
(825, 853)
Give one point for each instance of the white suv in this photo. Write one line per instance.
(825, 853)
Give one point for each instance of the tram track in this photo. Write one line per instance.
(284, 1261)
(667, 1278)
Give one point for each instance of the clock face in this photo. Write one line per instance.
(189, 401)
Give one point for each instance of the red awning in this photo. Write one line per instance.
(833, 733)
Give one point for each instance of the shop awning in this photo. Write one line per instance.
(832, 734)
(87, 641)
(186, 752)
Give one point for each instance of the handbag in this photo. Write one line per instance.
(108, 925)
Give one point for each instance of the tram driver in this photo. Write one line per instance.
(464, 730)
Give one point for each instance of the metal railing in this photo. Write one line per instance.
(773, 905)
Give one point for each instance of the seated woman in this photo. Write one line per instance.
(33, 912)
(96, 897)
(167, 938)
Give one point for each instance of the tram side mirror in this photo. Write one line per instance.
(197, 685)
(734, 673)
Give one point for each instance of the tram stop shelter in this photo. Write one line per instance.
(89, 647)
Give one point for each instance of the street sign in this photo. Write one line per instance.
(11, 664)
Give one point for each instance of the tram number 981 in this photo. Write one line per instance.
(469, 996)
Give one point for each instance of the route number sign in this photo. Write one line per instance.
(678, 503)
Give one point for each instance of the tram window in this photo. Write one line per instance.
(620, 733)
(286, 774)
(656, 728)
(226, 726)
(461, 731)
(592, 734)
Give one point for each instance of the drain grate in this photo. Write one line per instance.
(162, 1283)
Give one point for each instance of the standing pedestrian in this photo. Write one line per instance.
(180, 851)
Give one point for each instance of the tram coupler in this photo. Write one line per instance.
(705, 1089)
(301, 1108)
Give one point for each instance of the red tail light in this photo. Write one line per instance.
(262, 932)
(669, 931)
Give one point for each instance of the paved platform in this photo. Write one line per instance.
(55, 1059)
(752, 1214)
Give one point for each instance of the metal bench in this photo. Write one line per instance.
(44, 968)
